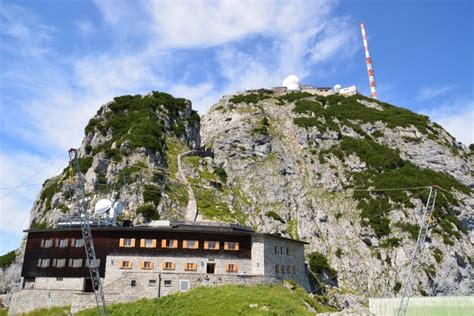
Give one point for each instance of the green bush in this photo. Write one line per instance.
(85, 163)
(148, 211)
(397, 287)
(220, 172)
(390, 242)
(275, 216)
(50, 188)
(438, 255)
(338, 252)
(262, 127)
(252, 98)
(318, 263)
(412, 229)
(7, 259)
(293, 96)
(151, 193)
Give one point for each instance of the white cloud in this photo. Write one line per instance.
(456, 117)
(429, 93)
(85, 26)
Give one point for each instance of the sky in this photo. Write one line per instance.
(60, 60)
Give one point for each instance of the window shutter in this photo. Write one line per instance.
(237, 246)
(185, 244)
(121, 242)
(175, 244)
(142, 264)
(133, 242)
(194, 266)
(163, 265)
(163, 243)
(172, 265)
(217, 245)
(206, 245)
(142, 243)
(236, 268)
(226, 246)
(152, 265)
(121, 264)
(196, 244)
(153, 243)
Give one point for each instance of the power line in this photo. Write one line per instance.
(31, 177)
(391, 189)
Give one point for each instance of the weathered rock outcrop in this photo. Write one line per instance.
(290, 164)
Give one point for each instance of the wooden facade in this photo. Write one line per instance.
(107, 242)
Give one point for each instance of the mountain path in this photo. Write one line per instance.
(191, 209)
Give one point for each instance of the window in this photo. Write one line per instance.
(59, 279)
(277, 268)
(133, 283)
(288, 269)
(190, 266)
(211, 245)
(75, 263)
(43, 263)
(281, 250)
(46, 243)
(169, 243)
(61, 243)
(89, 262)
(183, 285)
(229, 245)
(127, 242)
(77, 243)
(151, 282)
(59, 263)
(287, 251)
(232, 267)
(276, 249)
(125, 264)
(166, 265)
(190, 244)
(148, 243)
(147, 265)
(167, 283)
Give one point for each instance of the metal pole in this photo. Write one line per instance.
(91, 259)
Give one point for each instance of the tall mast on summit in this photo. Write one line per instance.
(370, 68)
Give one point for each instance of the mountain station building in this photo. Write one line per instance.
(151, 261)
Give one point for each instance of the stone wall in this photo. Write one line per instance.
(284, 252)
(59, 284)
(27, 300)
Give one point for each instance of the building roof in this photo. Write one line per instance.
(176, 226)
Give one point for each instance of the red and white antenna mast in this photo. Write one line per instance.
(370, 68)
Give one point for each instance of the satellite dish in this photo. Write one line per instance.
(103, 206)
(337, 88)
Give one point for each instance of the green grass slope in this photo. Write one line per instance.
(222, 300)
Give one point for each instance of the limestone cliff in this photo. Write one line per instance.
(292, 164)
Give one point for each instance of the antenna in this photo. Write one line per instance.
(370, 68)
(91, 259)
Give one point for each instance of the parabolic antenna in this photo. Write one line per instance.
(103, 206)
(337, 88)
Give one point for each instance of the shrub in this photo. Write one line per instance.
(318, 263)
(252, 98)
(390, 242)
(85, 163)
(438, 255)
(148, 211)
(338, 252)
(7, 259)
(220, 172)
(151, 193)
(293, 96)
(275, 216)
(412, 229)
(397, 287)
(50, 188)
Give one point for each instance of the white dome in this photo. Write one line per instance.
(291, 83)
(102, 206)
(337, 88)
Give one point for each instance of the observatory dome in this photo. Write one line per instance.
(291, 83)
(337, 88)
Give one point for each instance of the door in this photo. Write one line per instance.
(211, 267)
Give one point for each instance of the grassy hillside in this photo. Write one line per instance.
(224, 300)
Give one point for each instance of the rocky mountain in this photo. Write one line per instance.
(295, 164)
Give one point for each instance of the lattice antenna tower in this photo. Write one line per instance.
(425, 225)
(368, 60)
(91, 259)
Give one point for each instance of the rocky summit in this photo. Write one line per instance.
(305, 166)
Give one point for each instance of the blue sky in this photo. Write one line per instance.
(60, 60)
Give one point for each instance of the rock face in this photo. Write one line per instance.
(289, 164)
